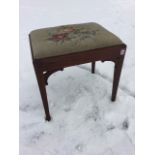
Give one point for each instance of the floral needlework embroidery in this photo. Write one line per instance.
(69, 33)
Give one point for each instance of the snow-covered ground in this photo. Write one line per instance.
(85, 121)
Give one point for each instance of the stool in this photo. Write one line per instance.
(55, 48)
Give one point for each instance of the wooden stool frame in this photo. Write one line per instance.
(45, 67)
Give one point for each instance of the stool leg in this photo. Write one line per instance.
(41, 84)
(117, 73)
(93, 67)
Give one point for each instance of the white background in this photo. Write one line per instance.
(144, 78)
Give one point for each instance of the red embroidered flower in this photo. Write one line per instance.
(60, 36)
(64, 34)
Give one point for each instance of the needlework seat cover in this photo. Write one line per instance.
(66, 39)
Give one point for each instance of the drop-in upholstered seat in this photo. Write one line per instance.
(66, 39)
(55, 48)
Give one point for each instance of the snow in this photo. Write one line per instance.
(85, 121)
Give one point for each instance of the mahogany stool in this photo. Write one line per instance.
(55, 48)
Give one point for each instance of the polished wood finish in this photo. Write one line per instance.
(47, 66)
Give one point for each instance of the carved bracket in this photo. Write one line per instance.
(48, 73)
